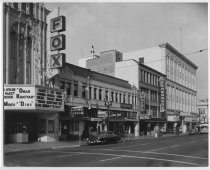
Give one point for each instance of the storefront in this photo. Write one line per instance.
(31, 113)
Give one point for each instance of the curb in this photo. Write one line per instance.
(40, 149)
(60, 147)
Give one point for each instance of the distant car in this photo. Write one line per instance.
(103, 137)
(193, 132)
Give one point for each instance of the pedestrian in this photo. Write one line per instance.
(156, 130)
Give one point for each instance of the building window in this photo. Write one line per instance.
(148, 78)
(24, 7)
(84, 90)
(112, 96)
(100, 94)
(75, 88)
(132, 100)
(142, 75)
(68, 88)
(95, 93)
(120, 99)
(145, 77)
(116, 97)
(62, 85)
(129, 99)
(123, 98)
(106, 94)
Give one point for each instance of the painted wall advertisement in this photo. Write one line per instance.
(33, 98)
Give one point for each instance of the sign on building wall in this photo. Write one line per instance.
(33, 98)
(142, 101)
(19, 98)
(126, 106)
(144, 116)
(162, 94)
(171, 118)
(56, 60)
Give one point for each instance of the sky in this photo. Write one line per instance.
(131, 26)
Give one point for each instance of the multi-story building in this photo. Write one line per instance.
(203, 109)
(95, 102)
(30, 108)
(180, 79)
(181, 85)
(143, 77)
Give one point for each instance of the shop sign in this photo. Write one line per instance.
(96, 119)
(171, 118)
(102, 114)
(184, 114)
(162, 94)
(142, 100)
(144, 116)
(77, 111)
(33, 98)
(131, 115)
(126, 106)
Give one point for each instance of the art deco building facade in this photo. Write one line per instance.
(30, 107)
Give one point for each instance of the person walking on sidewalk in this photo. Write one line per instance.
(157, 131)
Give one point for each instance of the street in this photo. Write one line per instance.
(174, 151)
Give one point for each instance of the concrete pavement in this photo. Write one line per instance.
(37, 146)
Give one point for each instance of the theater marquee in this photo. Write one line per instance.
(33, 97)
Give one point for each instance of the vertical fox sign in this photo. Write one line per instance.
(57, 42)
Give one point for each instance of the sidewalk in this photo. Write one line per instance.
(37, 146)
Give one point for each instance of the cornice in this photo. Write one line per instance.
(181, 56)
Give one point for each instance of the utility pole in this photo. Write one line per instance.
(180, 32)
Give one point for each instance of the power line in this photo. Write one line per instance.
(199, 51)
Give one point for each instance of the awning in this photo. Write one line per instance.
(121, 119)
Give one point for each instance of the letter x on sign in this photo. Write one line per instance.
(56, 61)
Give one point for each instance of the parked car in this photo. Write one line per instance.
(193, 132)
(103, 137)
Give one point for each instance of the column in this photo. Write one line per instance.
(7, 30)
(25, 51)
(136, 124)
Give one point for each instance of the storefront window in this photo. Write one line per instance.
(74, 126)
(42, 126)
(50, 126)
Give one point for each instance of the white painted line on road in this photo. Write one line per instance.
(129, 146)
(193, 141)
(160, 153)
(69, 155)
(138, 157)
(163, 148)
(110, 159)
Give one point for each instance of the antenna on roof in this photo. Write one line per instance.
(93, 51)
(180, 32)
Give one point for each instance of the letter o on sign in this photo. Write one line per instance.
(57, 42)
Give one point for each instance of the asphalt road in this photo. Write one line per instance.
(175, 151)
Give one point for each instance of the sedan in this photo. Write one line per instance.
(103, 137)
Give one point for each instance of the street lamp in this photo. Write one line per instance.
(108, 104)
